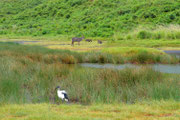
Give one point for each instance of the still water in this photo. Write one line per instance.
(164, 68)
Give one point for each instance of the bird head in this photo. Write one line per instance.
(58, 87)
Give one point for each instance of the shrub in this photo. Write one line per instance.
(45, 31)
(157, 36)
(144, 35)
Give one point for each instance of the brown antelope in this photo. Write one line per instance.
(76, 39)
(99, 42)
(88, 40)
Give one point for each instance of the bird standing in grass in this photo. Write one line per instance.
(62, 94)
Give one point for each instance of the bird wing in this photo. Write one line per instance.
(64, 92)
(65, 96)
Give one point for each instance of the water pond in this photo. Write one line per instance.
(164, 68)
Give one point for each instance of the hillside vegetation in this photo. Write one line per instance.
(91, 18)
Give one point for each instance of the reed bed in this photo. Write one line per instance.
(31, 75)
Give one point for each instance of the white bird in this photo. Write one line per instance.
(62, 94)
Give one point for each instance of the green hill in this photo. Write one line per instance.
(91, 18)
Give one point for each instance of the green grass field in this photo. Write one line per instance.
(54, 43)
(169, 110)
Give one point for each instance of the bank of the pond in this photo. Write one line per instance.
(130, 55)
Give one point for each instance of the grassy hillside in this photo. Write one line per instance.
(91, 18)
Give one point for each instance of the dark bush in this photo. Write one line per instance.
(144, 35)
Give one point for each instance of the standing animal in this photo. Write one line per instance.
(62, 94)
(76, 39)
(88, 40)
(99, 42)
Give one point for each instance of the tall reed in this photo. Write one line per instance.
(33, 82)
(31, 75)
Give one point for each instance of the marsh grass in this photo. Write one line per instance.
(31, 75)
(108, 55)
(140, 55)
(128, 85)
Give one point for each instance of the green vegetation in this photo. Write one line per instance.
(131, 30)
(146, 43)
(91, 18)
(141, 111)
(29, 74)
(122, 55)
(159, 33)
